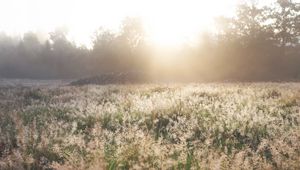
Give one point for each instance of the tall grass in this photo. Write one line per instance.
(193, 126)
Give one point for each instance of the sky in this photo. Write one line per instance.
(166, 21)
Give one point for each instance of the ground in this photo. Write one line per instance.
(153, 126)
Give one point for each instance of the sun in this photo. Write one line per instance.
(166, 36)
(172, 23)
(166, 32)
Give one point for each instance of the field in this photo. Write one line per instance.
(157, 126)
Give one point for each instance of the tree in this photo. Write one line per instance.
(132, 32)
(119, 52)
(286, 25)
(247, 40)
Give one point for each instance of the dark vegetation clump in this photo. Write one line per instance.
(113, 78)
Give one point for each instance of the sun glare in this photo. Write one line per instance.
(167, 23)
(175, 22)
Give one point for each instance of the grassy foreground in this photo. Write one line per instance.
(192, 126)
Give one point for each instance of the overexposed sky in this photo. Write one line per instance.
(166, 21)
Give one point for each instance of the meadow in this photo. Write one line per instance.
(153, 126)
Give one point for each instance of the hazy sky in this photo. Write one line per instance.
(166, 21)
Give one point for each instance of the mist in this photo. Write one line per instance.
(259, 43)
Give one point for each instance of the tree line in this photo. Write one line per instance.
(259, 43)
